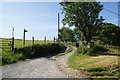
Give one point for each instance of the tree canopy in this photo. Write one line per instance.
(66, 34)
(83, 15)
(108, 33)
(77, 34)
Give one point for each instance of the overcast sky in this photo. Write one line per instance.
(40, 18)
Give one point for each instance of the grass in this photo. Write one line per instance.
(30, 52)
(9, 57)
(19, 43)
(90, 64)
(111, 71)
(72, 43)
(60, 54)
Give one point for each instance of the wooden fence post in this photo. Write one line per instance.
(32, 40)
(45, 39)
(13, 44)
(54, 39)
(24, 37)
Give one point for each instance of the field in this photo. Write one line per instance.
(9, 57)
(102, 66)
(19, 43)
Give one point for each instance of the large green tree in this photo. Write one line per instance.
(83, 15)
(66, 34)
(108, 33)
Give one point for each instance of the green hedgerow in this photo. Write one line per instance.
(39, 50)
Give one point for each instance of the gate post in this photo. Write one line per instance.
(24, 37)
(54, 39)
(32, 40)
(13, 44)
(45, 39)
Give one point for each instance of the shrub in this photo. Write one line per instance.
(81, 49)
(96, 50)
(39, 50)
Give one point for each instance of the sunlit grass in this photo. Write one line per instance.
(19, 43)
(85, 62)
(9, 57)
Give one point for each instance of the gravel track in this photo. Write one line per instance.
(37, 68)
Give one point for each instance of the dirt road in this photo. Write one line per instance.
(37, 68)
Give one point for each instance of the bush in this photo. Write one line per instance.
(81, 49)
(40, 50)
(35, 51)
(96, 50)
(92, 51)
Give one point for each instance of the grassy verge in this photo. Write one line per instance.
(8, 57)
(73, 44)
(29, 52)
(101, 66)
(60, 54)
